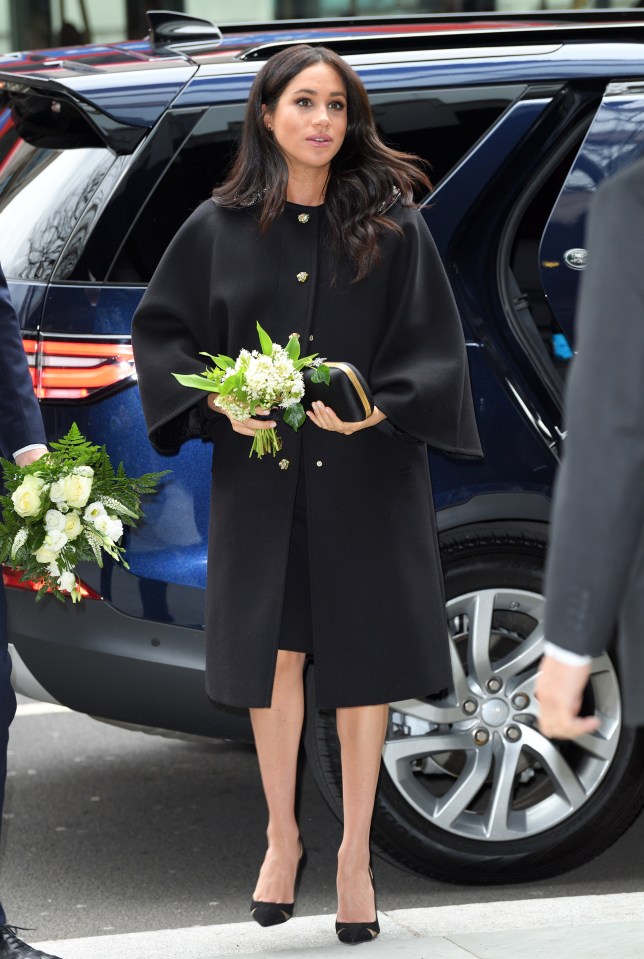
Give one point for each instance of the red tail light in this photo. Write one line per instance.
(76, 369)
(12, 578)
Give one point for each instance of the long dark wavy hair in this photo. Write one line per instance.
(364, 174)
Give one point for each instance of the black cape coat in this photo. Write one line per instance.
(379, 625)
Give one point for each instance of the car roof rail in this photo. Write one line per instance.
(401, 20)
(169, 28)
(470, 31)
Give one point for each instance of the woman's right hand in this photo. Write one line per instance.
(248, 426)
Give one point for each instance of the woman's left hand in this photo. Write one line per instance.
(324, 417)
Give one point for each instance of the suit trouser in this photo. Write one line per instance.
(7, 706)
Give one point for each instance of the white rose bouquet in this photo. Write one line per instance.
(68, 506)
(267, 379)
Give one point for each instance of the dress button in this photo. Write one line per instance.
(319, 463)
(302, 277)
(311, 338)
(303, 217)
(283, 464)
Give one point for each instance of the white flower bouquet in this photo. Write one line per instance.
(67, 507)
(268, 379)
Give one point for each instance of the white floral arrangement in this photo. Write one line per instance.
(67, 507)
(267, 379)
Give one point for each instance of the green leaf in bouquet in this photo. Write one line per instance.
(103, 469)
(44, 589)
(198, 381)
(223, 362)
(6, 542)
(321, 374)
(116, 506)
(294, 416)
(265, 341)
(305, 361)
(10, 472)
(72, 450)
(232, 384)
(95, 542)
(292, 348)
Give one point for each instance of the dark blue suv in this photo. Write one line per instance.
(104, 151)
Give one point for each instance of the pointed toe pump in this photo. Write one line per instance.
(352, 933)
(273, 913)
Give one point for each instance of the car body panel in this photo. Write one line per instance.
(136, 672)
(619, 120)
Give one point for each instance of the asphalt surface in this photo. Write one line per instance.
(109, 831)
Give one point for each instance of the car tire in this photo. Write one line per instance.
(512, 807)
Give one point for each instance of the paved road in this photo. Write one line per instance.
(111, 831)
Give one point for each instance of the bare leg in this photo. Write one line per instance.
(361, 730)
(277, 732)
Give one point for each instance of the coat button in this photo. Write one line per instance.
(283, 464)
(311, 338)
(319, 463)
(302, 277)
(303, 217)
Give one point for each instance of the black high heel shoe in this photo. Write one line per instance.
(273, 913)
(351, 933)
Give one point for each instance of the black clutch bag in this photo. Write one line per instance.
(347, 394)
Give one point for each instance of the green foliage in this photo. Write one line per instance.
(321, 374)
(265, 341)
(228, 378)
(197, 381)
(62, 483)
(293, 347)
(223, 362)
(294, 416)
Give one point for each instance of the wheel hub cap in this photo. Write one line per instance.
(495, 712)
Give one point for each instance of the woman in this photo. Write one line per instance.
(330, 549)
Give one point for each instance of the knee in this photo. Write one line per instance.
(289, 663)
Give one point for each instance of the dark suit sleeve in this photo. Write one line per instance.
(20, 420)
(599, 499)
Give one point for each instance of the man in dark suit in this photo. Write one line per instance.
(22, 436)
(595, 572)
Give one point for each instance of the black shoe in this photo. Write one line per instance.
(13, 948)
(351, 933)
(273, 913)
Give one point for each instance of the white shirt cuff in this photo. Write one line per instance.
(565, 656)
(33, 446)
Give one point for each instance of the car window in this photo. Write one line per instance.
(438, 125)
(35, 223)
(196, 168)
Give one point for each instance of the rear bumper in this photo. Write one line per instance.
(97, 660)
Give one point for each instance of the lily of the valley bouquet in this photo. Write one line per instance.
(67, 507)
(267, 379)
